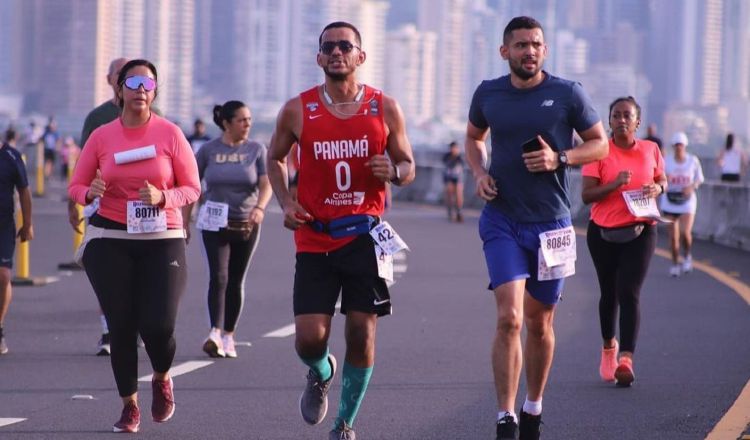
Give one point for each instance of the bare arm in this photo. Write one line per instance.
(476, 157)
(595, 146)
(400, 156)
(288, 127)
(26, 232)
(258, 213)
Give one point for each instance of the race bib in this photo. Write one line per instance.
(546, 273)
(639, 205)
(558, 246)
(385, 265)
(387, 238)
(143, 218)
(212, 216)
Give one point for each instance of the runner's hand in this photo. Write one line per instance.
(542, 160)
(486, 188)
(651, 190)
(97, 187)
(26, 233)
(150, 195)
(295, 215)
(381, 167)
(256, 216)
(623, 178)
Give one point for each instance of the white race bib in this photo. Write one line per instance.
(546, 273)
(639, 205)
(387, 238)
(143, 218)
(558, 246)
(212, 216)
(385, 265)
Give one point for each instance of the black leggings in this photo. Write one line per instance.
(228, 262)
(621, 269)
(139, 284)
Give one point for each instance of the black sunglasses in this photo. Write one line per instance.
(327, 47)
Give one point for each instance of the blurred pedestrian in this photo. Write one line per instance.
(620, 243)
(352, 140)
(68, 155)
(685, 175)
(143, 170)
(651, 136)
(199, 136)
(52, 143)
(531, 116)
(732, 161)
(453, 179)
(234, 203)
(12, 177)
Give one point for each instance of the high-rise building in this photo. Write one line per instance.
(371, 23)
(448, 20)
(410, 72)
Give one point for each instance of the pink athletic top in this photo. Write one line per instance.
(173, 170)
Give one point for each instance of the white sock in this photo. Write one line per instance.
(502, 414)
(531, 407)
(103, 320)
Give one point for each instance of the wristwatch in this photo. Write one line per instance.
(562, 158)
(397, 174)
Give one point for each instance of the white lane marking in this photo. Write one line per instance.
(181, 369)
(9, 421)
(400, 268)
(243, 343)
(401, 256)
(283, 332)
(82, 397)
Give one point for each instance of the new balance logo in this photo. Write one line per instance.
(174, 263)
(548, 103)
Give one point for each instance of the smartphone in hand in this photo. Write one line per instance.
(530, 145)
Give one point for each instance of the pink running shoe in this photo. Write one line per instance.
(162, 403)
(624, 374)
(608, 364)
(130, 419)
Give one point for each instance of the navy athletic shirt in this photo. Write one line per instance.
(553, 109)
(12, 176)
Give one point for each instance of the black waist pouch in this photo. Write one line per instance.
(622, 234)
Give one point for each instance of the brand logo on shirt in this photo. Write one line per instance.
(231, 158)
(312, 106)
(313, 116)
(547, 103)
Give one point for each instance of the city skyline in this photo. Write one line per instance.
(686, 61)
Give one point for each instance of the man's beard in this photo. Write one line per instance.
(336, 76)
(522, 73)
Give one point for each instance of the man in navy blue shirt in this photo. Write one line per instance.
(12, 177)
(525, 227)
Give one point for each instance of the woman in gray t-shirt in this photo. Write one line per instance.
(233, 170)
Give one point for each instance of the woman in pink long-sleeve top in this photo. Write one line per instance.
(140, 170)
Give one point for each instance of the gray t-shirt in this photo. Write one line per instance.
(553, 109)
(231, 174)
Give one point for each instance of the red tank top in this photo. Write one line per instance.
(333, 179)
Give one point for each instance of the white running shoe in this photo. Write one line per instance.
(213, 345)
(675, 270)
(229, 350)
(687, 264)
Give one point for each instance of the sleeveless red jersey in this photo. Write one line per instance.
(333, 179)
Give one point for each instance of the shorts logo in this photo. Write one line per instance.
(5, 260)
(380, 303)
(548, 103)
(174, 263)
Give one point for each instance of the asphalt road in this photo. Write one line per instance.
(432, 377)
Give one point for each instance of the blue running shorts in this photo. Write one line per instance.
(511, 251)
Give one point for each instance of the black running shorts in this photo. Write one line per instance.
(351, 270)
(7, 241)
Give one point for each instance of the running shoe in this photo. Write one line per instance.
(687, 264)
(229, 350)
(459, 217)
(130, 419)
(506, 428)
(162, 403)
(530, 427)
(675, 270)
(3, 345)
(341, 431)
(103, 345)
(608, 364)
(313, 404)
(624, 373)
(213, 345)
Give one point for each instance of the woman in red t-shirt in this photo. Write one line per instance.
(620, 243)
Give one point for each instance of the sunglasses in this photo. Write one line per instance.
(327, 47)
(136, 81)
